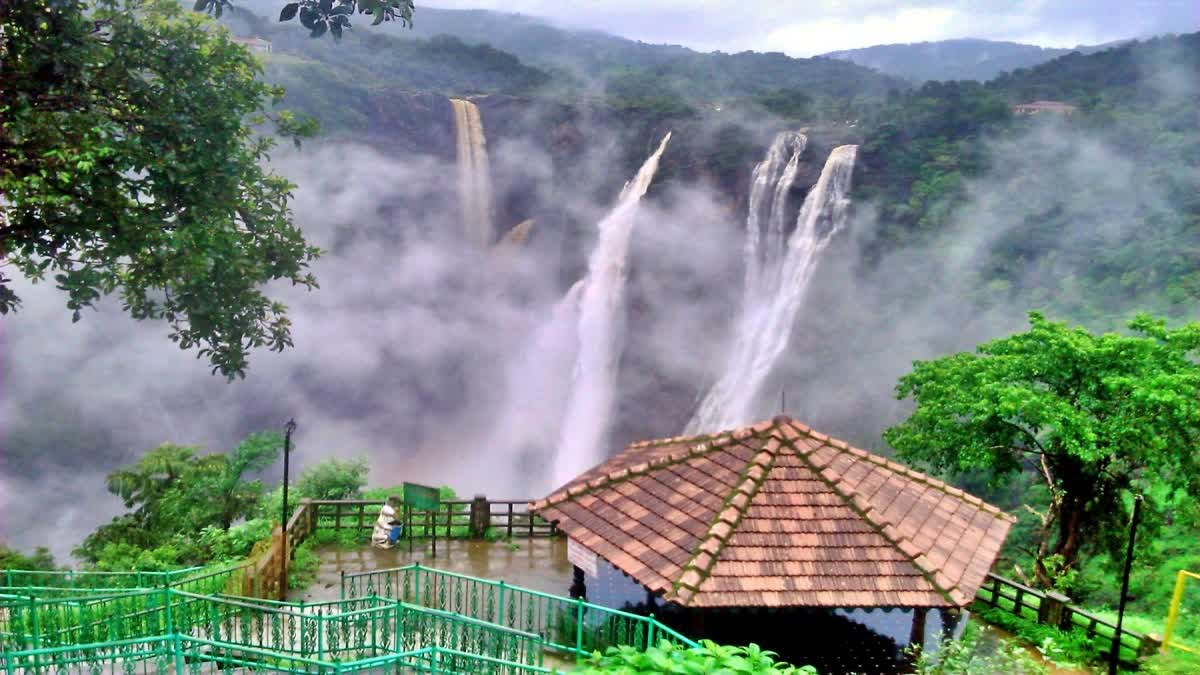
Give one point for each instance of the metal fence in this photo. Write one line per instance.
(453, 520)
(1053, 609)
(184, 655)
(1173, 613)
(573, 626)
(59, 633)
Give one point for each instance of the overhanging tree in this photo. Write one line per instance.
(129, 165)
(332, 16)
(1092, 416)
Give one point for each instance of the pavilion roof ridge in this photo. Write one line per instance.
(777, 514)
(897, 468)
(727, 519)
(861, 505)
(694, 446)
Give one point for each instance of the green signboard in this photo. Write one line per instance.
(422, 497)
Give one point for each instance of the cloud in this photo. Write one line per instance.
(413, 352)
(831, 34)
(818, 26)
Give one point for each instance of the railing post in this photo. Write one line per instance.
(579, 626)
(1052, 611)
(510, 519)
(37, 633)
(1173, 614)
(1148, 646)
(500, 615)
(320, 635)
(417, 584)
(481, 517)
(650, 631)
(177, 647)
(342, 587)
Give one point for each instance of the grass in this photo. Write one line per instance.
(1172, 663)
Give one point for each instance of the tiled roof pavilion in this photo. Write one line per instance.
(779, 515)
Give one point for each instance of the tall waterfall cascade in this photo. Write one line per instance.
(777, 274)
(538, 385)
(474, 177)
(600, 333)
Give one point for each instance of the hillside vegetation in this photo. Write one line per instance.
(965, 59)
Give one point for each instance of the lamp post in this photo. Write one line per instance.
(288, 429)
(1115, 655)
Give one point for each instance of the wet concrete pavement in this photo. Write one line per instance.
(540, 564)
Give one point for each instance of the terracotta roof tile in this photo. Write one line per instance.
(780, 515)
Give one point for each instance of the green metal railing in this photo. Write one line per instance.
(338, 631)
(406, 620)
(75, 584)
(573, 626)
(185, 655)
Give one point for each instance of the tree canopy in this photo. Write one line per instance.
(130, 165)
(1095, 417)
(171, 491)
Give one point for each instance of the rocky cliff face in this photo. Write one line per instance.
(706, 149)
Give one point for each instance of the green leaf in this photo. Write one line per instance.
(289, 11)
(319, 29)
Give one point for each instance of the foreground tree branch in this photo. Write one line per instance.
(129, 167)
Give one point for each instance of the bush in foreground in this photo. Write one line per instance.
(709, 657)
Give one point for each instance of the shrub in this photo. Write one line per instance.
(334, 479)
(1072, 646)
(303, 570)
(971, 655)
(709, 657)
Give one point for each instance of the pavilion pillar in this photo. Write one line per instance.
(951, 618)
(917, 635)
(578, 585)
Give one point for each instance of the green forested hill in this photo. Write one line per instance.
(573, 62)
(1113, 190)
(966, 59)
(1093, 215)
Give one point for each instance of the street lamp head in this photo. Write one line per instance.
(290, 427)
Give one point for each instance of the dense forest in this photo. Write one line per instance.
(1135, 142)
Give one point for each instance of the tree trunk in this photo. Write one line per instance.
(1062, 530)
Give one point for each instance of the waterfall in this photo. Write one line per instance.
(474, 179)
(771, 181)
(777, 277)
(538, 384)
(601, 322)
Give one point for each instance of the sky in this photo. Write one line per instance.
(809, 27)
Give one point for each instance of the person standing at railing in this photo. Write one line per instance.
(387, 525)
